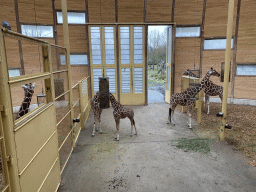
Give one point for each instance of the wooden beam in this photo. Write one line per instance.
(66, 45)
(19, 31)
(117, 63)
(87, 11)
(202, 39)
(227, 66)
(146, 65)
(145, 11)
(116, 11)
(235, 49)
(173, 8)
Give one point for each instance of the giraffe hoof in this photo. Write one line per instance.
(100, 132)
(93, 135)
(168, 122)
(131, 135)
(135, 133)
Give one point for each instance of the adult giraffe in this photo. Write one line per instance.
(210, 89)
(185, 98)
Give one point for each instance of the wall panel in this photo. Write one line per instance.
(216, 18)
(71, 4)
(246, 43)
(130, 11)
(159, 11)
(8, 7)
(188, 12)
(187, 52)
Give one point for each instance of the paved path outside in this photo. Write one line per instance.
(150, 161)
(155, 97)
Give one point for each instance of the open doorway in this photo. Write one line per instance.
(157, 42)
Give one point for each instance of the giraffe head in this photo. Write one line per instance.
(189, 73)
(212, 72)
(28, 89)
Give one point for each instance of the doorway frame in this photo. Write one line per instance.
(173, 24)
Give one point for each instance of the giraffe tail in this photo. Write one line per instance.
(170, 115)
(133, 122)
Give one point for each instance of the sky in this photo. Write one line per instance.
(159, 27)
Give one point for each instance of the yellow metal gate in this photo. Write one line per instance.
(39, 142)
(4, 174)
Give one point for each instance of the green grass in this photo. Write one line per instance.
(198, 145)
(155, 78)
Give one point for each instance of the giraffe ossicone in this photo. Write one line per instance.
(184, 98)
(121, 112)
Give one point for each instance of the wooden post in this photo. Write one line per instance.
(66, 45)
(7, 121)
(227, 66)
(199, 106)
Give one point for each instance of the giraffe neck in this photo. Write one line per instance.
(115, 104)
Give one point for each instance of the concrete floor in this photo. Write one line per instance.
(150, 161)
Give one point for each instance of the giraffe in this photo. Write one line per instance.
(95, 104)
(184, 98)
(121, 112)
(28, 91)
(210, 89)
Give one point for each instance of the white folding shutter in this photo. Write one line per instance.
(125, 45)
(125, 78)
(95, 45)
(138, 80)
(109, 45)
(138, 45)
(96, 74)
(112, 79)
(168, 78)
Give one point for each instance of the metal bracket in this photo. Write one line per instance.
(9, 159)
(4, 110)
(219, 114)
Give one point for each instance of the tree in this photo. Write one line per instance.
(157, 47)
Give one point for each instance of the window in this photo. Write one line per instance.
(125, 45)
(187, 31)
(14, 72)
(75, 59)
(216, 44)
(37, 30)
(96, 45)
(73, 18)
(245, 69)
(138, 45)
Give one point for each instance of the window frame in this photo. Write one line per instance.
(76, 65)
(216, 38)
(244, 75)
(183, 26)
(14, 68)
(38, 24)
(73, 11)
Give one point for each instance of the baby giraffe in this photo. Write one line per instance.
(95, 105)
(121, 112)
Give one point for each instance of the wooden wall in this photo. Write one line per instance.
(182, 12)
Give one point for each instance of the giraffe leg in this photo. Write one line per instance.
(93, 131)
(208, 103)
(171, 115)
(134, 127)
(131, 126)
(100, 121)
(189, 115)
(117, 128)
